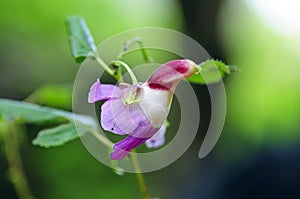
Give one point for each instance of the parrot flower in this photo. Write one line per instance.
(140, 110)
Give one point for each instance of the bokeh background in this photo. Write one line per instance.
(258, 154)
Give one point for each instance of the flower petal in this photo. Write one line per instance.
(156, 105)
(100, 91)
(122, 119)
(158, 139)
(167, 76)
(123, 147)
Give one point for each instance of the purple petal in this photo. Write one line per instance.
(122, 119)
(100, 91)
(158, 139)
(123, 147)
(114, 117)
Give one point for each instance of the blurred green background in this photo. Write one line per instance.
(258, 154)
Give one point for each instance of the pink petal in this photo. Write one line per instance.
(100, 91)
(167, 76)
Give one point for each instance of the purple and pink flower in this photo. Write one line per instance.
(140, 110)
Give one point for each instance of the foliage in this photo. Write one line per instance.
(212, 71)
(81, 40)
(82, 46)
(64, 130)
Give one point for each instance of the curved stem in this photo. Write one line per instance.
(139, 175)
(12, 152)
(104, 65)
(136, 40)
(116, 73)
(130, 72)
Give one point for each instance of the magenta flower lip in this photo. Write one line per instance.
(140, 110)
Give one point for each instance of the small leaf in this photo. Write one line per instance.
(56, 136)
(61, 134)
(81, 40)
(211, 71)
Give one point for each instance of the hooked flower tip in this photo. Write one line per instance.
(169, 74)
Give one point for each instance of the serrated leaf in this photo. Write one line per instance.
(211, 71)
(80, 38)
(65, 131)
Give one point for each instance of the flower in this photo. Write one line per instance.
(158, 139)
(140, 110)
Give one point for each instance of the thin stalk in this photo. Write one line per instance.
(136, 40)
(104, 65)
(130, 72)
(145, 54)
(116, 72)
(139, 175)
(12, 152)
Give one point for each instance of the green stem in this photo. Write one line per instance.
(130, 72)
(12, 152)
(116, 72)
(104, 65)
(145, 54)
(130, 43)
(139, 175)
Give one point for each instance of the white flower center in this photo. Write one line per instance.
(155, 104)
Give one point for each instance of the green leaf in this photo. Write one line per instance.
(211, 71)
(81, 40)
(29, 113)
(65, 129)
(56, 136)
(2, 128)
